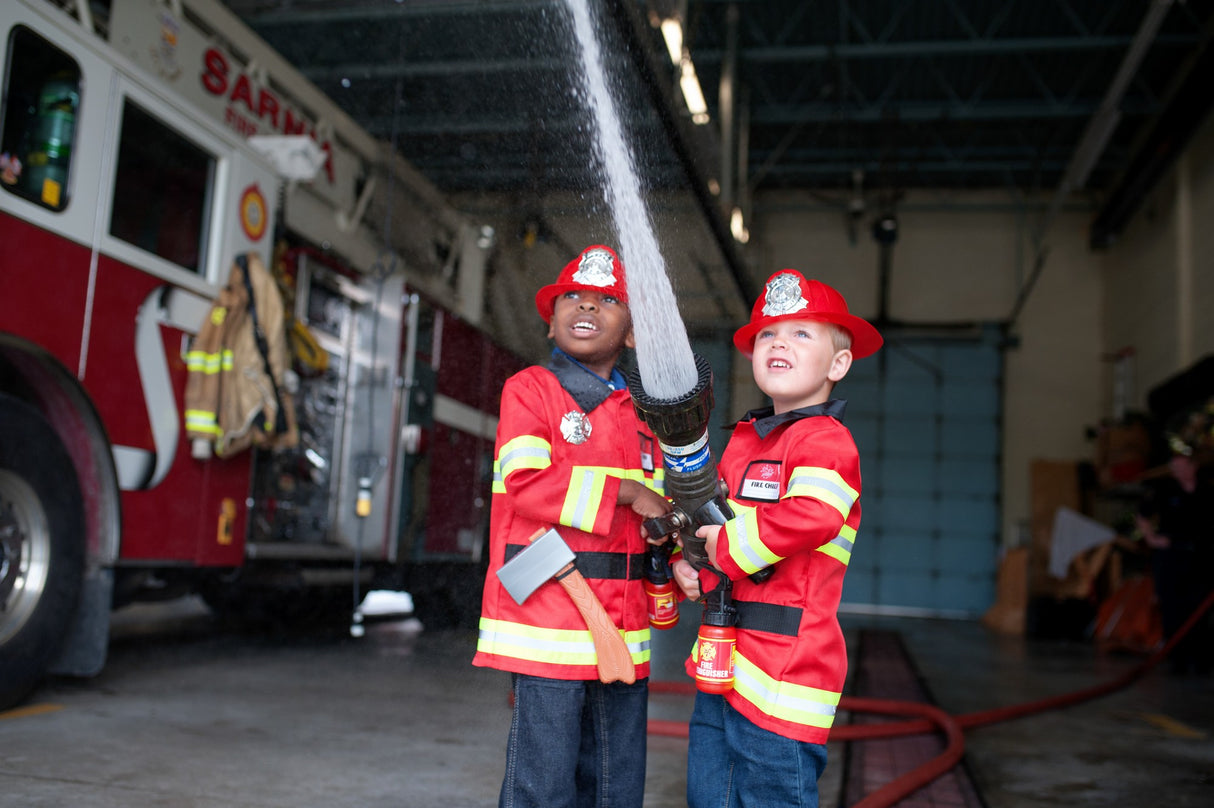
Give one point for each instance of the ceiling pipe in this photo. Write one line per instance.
(727, 108)
(633, 29)
(1091, 146)
(744, 194)
(1188, 105)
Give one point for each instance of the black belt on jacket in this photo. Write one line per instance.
(603, 566)
(770, 617)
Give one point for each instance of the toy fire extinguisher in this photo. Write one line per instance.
(715, 646)
(659, 589)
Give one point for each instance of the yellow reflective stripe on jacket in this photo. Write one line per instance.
(523, 452)
(202, 422)
(656, 481)
(840, 546)
(529, 452)
(210, 363)
(800, 704)
(825, 485)
(583, 498)
(551, 646)
(499, 486)
(746, 548)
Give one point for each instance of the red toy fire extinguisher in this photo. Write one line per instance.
(715, 646)
(659, 590)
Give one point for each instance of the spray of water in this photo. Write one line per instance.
(665, 360)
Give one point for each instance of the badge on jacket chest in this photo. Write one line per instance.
(761, 481)
(575, 427)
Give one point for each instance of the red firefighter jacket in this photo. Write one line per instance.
(549, 472)
(794, 487)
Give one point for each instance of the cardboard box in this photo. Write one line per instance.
(1122, 453)
(1053, 484)
(1007, 614)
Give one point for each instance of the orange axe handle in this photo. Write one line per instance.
(614, 658)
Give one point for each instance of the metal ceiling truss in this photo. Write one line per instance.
(963, 83)
(941, 94)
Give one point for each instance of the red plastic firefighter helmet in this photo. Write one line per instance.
(789, 296)
(597, 269)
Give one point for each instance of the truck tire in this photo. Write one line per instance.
(41, 547)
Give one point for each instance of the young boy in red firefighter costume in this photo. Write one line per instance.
(571, 454)
(793, 477)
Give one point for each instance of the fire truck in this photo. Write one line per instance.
(144, 146)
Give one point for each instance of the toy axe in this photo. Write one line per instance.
(546, 558)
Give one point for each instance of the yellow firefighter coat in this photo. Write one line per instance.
(230, 400)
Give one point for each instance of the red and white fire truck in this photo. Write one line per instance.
(144, 144)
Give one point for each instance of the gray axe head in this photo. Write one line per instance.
(538, 562)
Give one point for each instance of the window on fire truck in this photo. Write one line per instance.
(41, 99)
(162, 190)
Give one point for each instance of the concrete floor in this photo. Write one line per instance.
(187, 714)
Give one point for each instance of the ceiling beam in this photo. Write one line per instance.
(1093, 142)
(906, 111)
(858, 51)
(1189, 104)
(292, 15)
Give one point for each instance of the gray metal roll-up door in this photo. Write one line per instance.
(925, 413)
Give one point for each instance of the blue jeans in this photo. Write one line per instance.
(732, 763)
(576, 744)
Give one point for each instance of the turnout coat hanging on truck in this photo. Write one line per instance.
(235, 394)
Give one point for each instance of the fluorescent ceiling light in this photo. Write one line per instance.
(692, 94)
(672, 32)
(738, 227)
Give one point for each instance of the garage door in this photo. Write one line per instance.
(925, 413)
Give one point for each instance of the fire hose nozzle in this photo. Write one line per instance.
(681, 427)
(692, 481)
(678, 422)
(667, 524)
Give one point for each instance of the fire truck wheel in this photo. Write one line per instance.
(41, 547)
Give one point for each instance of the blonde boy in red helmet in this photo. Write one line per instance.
(572, 454)
(793, 478)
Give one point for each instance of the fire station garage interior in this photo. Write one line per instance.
(1016, 193)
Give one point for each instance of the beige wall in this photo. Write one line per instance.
(958, 260)
(1159, 290)
(963, 260)
(1054, 386)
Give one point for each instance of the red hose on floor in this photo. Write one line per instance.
(899, 787)
(933, 718)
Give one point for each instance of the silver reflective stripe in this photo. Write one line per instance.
(510, 457)
(844, 542)
(815, 481)
(584, 491)
(757, 562)
(779, 703)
